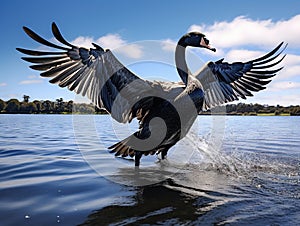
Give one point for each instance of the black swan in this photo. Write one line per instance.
(165, 110)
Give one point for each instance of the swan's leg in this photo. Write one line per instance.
(164, 153)
(138, 156)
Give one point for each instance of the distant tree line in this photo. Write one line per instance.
(59, 106)
(257, 109)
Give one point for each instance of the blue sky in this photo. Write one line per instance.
(240, 30)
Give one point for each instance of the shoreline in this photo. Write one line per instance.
(202, 114)
(14, 106)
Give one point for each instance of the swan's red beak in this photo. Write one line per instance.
(205, 43)
(211, 48)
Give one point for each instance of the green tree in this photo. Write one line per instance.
(257, 107)
(70, 106)
(295, 110)
(26, 98)
(13, 106)
(28, 108)
(38, 105)
(47, 106)
(2, 105)
(277, 112)
(59, 105)
(31, 108)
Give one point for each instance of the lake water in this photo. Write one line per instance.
(55, 169)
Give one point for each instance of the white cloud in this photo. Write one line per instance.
(113, 42)
(273, 98)
(168, 45)
(245, 31)
(130, 50)
(291, 67)
(284, 85)
(292, 59)
(32, 79)
(33, 76)
(242, 55)
(83, 42)
(282, 99)
(3, 84)
(289, 71)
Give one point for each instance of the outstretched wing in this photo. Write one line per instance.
(95, 73)
(223, 82)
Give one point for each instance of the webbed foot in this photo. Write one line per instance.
(137, 158)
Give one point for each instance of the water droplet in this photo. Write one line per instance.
(27, 217)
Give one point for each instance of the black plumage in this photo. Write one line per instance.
(97, 74)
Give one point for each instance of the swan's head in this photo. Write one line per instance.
(195, 39)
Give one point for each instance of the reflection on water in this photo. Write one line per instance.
(173, 207)
(169, 203)
(46, 176)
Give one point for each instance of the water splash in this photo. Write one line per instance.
(278, 175)
(208, 155)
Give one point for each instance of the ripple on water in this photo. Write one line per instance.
(252, 179)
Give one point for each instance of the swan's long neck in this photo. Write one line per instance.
(180, 61)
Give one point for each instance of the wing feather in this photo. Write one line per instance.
(41, 40)
(38, 60)
(51, 72)
(65, 74)
(47, 66)
(95, 73)
(238, 80)
(39, 53)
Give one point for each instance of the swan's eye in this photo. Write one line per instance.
(206, 41)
